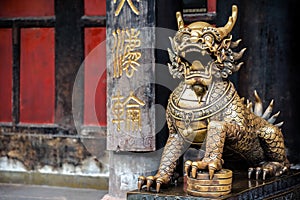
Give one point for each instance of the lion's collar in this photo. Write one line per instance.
(219, 95)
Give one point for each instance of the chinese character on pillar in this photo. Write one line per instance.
(126, 55)
(121, 5)
(133, 110)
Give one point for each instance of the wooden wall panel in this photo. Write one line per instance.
(95, 77)
(6, 75)
(95, 7)
(37, 72)
(28, 8)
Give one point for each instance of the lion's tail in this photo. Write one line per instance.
(258, 110)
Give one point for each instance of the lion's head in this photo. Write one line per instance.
(201, 52)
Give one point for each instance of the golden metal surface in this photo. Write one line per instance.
(208, 193)
(221, 174)
(206, 107)
(206, 188)
(200, 182)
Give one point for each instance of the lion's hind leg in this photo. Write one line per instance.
(272, 142)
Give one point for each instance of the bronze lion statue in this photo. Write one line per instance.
(206, 110)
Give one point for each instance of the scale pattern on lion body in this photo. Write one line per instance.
(249, 135)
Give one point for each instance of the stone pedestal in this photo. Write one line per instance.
(285, 187)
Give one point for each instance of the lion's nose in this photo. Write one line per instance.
(194, 39)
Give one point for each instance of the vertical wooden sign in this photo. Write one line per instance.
(130, 45)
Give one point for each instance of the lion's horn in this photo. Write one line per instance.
(180, 22)
(224, 31)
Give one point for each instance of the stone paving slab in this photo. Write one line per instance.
(58, 180)
(41, 192)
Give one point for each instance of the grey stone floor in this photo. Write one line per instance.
(41, 192)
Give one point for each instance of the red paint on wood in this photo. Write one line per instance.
(37, 75)
(95, 7)
(28, 8)
(212, 6)
(95, 77)
(6, 75)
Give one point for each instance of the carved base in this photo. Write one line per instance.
(202, 186)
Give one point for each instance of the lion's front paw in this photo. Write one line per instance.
(191, 168)
(267, 168)
(156, 181)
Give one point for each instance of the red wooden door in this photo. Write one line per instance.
(27, 74)
(6, 75)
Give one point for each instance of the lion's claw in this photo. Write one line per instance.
(211, 173)
(265, 172)
(268, 168)
(151, 180)
(250, 171)
(141, 181)
(187, 167)
(258, 172)
(159, 181)
(193, 167)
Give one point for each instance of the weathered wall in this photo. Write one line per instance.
(46, 43)
(53, 154)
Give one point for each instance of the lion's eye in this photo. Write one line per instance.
(177, 39)
(209, 38)
(184, 37)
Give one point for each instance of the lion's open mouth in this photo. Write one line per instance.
(197, 62)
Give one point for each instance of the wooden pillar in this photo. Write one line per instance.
(68, 57)
(130, 91)
(130, 74)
